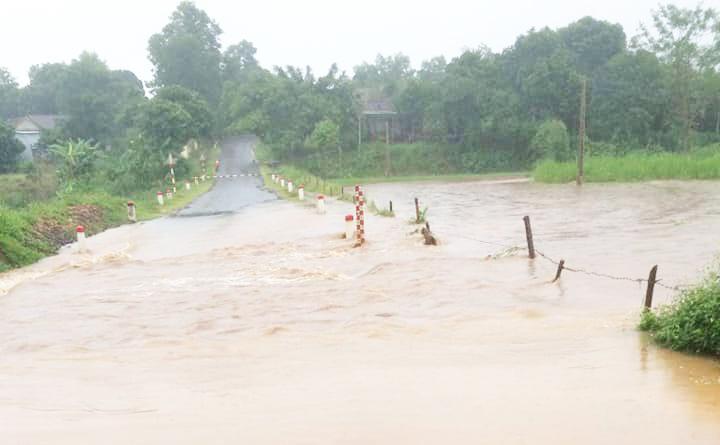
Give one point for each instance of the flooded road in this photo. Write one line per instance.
(262, 326)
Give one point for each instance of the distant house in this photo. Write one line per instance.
(29, 128)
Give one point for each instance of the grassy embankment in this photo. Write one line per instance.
(692, 323)
(37, 218)
(34, 231)
(697, 164)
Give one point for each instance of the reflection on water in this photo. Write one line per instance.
(265, 327)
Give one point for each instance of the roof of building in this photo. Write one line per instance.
(377, 107)
(36, 122)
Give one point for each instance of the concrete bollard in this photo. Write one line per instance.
(196, 181)
(349, 227)
(169, 194)
(160, 199)
(282, 182)
(80, 232)
(321, 204)
(187, 185)
(290, 187)
(132, 215)
(202, 178)
(301, 192)
(273, 177)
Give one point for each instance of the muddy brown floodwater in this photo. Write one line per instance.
(263, 327)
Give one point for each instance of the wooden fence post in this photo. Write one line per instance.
(391, 210)
(650, 288)
(417, 211)
(529, 236)
(560, 268)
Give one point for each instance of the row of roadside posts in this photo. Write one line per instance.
(354, 224)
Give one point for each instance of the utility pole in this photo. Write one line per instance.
(387, 148)
(581, 133)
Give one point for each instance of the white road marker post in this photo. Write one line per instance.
(349, 227)
(132, 214)
(290, 186)
(169, 194)
(321, 204)
(160, 199)
(301, 192)
(187, 185)
(196, 180)
(282, 182)
(80, 232)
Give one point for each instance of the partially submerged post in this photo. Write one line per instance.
(650, 288)
(417, 211)
(80, 233)
(560, 268)
(430, 239)
(529, 236)
(391, 210)
(349, 226)
(132, 215)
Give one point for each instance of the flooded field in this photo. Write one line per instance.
(263, 326)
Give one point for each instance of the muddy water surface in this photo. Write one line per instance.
(264, 327)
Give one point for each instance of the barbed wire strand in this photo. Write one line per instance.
(507, 247)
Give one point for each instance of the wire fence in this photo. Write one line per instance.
(511, 250)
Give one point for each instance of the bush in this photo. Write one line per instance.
(10, 148)
(692, 323)
(551, 141)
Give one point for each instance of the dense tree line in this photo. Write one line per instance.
(659, 90)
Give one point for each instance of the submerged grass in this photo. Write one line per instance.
(692, 323)
(634, 167)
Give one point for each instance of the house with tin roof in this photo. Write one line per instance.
(29, 128)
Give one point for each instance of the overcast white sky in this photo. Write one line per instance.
(294, 32)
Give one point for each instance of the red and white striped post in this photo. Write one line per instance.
(80, 233)
(320, 204)
(132, 215)
(301, 192)
(160, 199)
(359, 217)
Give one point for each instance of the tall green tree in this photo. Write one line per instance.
(187, 52)
(238, 60)
(592, 43)
(630, 100)
(9, 96)
(92, 97)
(10, 148)
(682, 38)
(193, 104)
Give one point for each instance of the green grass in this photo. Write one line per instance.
(39, 229)
(692, 323)
(634, 167)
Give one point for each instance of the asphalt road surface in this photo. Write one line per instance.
(233, 193)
